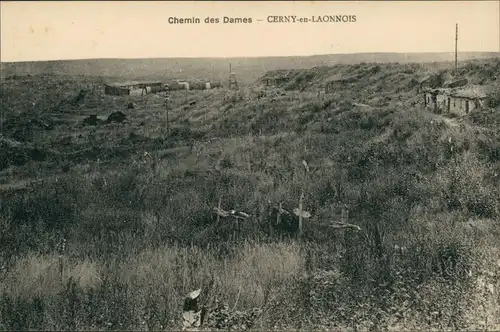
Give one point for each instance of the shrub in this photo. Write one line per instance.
(493, 100)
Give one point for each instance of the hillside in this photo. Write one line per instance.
(133, 203)
(247, 69)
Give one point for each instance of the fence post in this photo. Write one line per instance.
(166, 111)
(306, 172)
(237, 231)
(300, 214)
(61, 267)
(219, 206)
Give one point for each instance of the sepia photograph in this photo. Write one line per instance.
(250, 166)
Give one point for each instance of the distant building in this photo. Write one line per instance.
(338, 82)
(277, 80)
(113, 90)
(176, 86)
(193, 85)
(198, 85)
(216, 84)
(133, 88)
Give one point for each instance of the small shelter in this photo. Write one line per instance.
(458, 101)
(277, 80)
(176, 86)
(133, 88)
(216, 84)
(463, 101)
(338, 82)
(116, 90)
(194, 85)
(431, 97)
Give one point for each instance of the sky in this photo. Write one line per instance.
(32, 31)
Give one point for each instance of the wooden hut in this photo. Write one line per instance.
(463, 101)
(456, 101)
(338, 82)
(133, 88)
(114, 90)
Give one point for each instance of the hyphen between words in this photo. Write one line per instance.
(269, 19)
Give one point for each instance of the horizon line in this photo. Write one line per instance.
(243, 57)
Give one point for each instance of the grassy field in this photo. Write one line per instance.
(133, 204)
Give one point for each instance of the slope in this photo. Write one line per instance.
(140, 227)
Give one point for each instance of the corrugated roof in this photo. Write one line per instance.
(129, 83)
(125, 83)
(478, 91)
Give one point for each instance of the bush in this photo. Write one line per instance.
(493, 100)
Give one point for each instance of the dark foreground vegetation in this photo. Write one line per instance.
(97, 235)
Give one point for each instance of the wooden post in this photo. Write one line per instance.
(61, 266)
(237, 232)
(300, 214)
(167, 101)
(300, 209)
(306, 172)
(278, 216)
(219, 206)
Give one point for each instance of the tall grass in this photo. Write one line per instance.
(145, 289)
(141, 234)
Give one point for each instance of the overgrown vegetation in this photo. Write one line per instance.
(140, 233)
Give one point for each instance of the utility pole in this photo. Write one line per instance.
(233, 85)
(456, 49)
